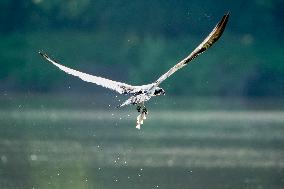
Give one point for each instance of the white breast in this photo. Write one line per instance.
(141, 98)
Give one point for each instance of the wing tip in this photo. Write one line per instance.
(224, 20)
(220, 27)
(40, 52)
(228, 13)
(43, 54)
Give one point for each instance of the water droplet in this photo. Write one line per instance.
(33, 157)
(4, 159)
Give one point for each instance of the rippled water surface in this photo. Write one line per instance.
(80, 148)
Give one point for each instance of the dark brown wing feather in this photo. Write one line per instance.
(206, 43)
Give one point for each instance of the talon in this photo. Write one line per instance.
(138, 108)
(144, 110)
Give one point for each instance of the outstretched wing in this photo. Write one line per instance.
(119, 87)
(207, 42)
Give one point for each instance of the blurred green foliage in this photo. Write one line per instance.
(136, 41)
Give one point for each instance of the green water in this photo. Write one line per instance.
(81, 148)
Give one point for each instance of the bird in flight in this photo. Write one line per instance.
(140, 94)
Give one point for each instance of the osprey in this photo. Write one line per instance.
(143, 93)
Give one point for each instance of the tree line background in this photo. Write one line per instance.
(136, 41)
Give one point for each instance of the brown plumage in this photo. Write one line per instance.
(206, 43)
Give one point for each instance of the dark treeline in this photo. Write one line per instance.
(136, 41)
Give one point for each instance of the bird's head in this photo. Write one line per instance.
(159, 91)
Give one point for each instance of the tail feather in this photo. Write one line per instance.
(125, 103)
